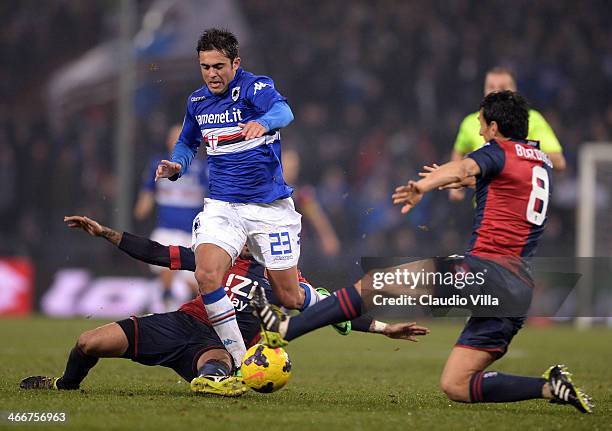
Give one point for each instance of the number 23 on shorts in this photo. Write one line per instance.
(280, 243)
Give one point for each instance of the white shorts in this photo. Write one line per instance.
(271, 231)
(166, 236)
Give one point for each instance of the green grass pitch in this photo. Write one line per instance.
(359, 382)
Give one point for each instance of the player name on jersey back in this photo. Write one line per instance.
(532, 154)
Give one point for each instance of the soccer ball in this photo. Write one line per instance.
(265, 369)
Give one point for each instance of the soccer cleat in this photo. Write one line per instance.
(342, 328)
(272, 339)
(39, 382)
(270, 317)
(563, 390)
(225, 386)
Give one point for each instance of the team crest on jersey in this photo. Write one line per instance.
(212, 141)
(235, 93)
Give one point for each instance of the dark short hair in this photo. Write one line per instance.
(509, 110)
(219, 40)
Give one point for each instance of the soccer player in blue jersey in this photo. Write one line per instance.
(238, 116)
(177, 205)
(513, 189)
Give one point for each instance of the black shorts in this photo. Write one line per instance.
(485, 330)
(491, 334)
(175, 340)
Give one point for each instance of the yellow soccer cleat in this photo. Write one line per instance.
(272, 339)
(224, 386)
(39, 382)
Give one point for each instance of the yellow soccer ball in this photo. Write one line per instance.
(265, 369)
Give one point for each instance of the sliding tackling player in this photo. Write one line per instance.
(183, 340)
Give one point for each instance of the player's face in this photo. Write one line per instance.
(217, 70)
(498, 82)
(487, 131)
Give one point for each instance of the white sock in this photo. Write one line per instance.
(311, 296)
(222, 317)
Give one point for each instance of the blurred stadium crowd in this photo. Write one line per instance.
(378, 89)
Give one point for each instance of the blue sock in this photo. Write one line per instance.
(214, 296)
(311, 297)
(495, 387)
(214, 367)
(344, 304)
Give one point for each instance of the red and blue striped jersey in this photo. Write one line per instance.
(240, 283)
(513, 191)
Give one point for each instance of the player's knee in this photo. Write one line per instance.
(87, 343)
(455, 390)
(208, 279)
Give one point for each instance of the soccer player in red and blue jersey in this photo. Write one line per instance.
(513, 186)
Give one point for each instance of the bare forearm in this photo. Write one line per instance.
(449, 173)
(110, 235)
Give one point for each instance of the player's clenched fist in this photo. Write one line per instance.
(167, 169)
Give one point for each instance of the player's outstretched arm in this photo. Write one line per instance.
(93, 228)
(398, 331)
(467, 182)
(455, 172)
(142, 249)
(154, 253)
(404, 331)
(456, 194)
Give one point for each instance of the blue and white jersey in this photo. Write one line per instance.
(245, 171)
(178, 203)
